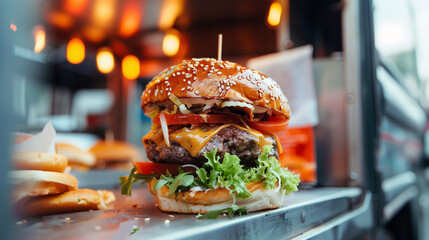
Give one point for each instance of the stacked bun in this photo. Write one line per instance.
(41, 187)
(116, 155)
(78, 159)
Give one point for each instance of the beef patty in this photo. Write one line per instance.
(231, 139)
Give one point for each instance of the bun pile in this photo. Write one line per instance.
(114, 154)
(41, 186)
(77, 158)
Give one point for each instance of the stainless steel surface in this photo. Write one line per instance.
(331, 133)
(99, 179)
(395, 185)
(400, 106)
(352, 79)
(393, 206)
(350, 225)
(317, 206)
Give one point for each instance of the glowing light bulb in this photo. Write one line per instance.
(131, 67)
(75, 51)
(105, 60)
(274, 14)
(170, 44)
(39, 38)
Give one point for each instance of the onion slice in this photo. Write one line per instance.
(190, 165)
(164, 128)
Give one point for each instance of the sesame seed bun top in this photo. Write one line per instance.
(207, 78)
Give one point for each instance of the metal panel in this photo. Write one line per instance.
(352, 78)
(331, 138)
(301, 212)
(354, 224)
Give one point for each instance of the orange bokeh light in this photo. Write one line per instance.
(171, 43)
(94, 34)
(130, 21)
(13, 27)
(131, 67)
(75, 51)
(105, 60)
(61, 20)
(274, 14)
(75, 7)
(39, 38)
(103, 12)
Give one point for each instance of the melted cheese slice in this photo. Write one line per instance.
(194, 139)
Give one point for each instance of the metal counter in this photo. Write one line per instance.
(301, 212)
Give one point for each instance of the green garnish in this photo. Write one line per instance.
(228, 173)
(134, 231)
(78, 200)
(127, 182)
(234, 209)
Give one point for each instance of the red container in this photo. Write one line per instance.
(299, 152)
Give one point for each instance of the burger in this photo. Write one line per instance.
(212, 143)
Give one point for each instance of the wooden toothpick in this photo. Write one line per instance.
(219, 48)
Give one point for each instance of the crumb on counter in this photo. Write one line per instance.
(147, 219)
(97, 228)
(67, 219)
(167, 222)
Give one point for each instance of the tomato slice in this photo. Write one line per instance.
(272, 125)
(183, 119)
(148, 168)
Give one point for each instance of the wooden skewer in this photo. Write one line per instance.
(219, 48)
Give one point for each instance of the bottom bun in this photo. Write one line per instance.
(72, 201)
(206, 201)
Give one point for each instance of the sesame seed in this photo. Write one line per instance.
(166, 78)
(162, 91)
(219, 73)
(197, 92)
(209, 74)
(184, 80)
(136, 218)
(178, 73)
(169, 93)
(172, 216)
(174, 74)
(201, 65)
(183, 89)
(147, 219)
(189, 82)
